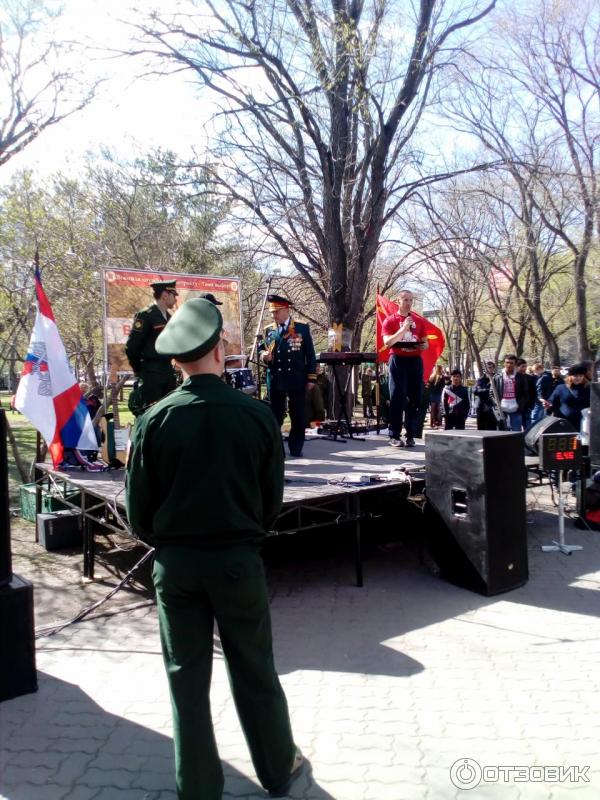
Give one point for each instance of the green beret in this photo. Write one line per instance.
(162, 286)
(192, 332)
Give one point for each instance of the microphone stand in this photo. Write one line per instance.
(257, 337)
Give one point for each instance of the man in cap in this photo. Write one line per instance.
(207, 564)
(289, 356)
(211, 299)
(154, 372)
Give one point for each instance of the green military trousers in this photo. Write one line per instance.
(194, 588)
(150, 387)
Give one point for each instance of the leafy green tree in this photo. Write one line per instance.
(145, 215)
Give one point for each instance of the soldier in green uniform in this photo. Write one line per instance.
(154, 373)
(289, 356)
(204, 484)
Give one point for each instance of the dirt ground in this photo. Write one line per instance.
(60, 591)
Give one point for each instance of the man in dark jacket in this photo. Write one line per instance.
(513, 393)
(543, 389)
(154, 373)
(531, 381)
(289, 356)
(486, 417)
(204, 484)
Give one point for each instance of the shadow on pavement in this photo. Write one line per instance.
(59, 739)
(322, 621)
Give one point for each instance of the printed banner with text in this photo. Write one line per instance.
(126, 291)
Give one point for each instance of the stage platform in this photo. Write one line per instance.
(335, 483)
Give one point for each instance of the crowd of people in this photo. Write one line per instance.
(513, 397)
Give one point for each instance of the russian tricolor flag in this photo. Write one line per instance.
(48, 394)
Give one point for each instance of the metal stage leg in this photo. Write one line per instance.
(88, 549)
(357, 539)
(37, 475)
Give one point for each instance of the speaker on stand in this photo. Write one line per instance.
(546, 425)
(475, 512)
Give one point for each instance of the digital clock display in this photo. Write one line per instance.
(560, 451)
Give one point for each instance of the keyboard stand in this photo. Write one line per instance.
(338, 433)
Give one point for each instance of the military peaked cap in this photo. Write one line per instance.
(276, 301)
(193, 331)
(163, 286)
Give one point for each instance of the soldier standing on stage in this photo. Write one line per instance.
(289, 356)
(154, 373)
(204, 484)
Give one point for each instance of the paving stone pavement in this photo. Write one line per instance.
(388, 686)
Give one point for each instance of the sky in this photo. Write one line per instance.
(129, 115)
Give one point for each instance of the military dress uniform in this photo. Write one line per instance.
(204, 484)
(155, 374)
(293, 366)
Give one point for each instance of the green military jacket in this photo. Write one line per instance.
(205, 466)
(141, 343)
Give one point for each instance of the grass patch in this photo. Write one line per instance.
(26, 437)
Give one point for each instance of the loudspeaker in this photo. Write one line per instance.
(594, 446)
(475, 514)
(17, 646)
(546, 425)
(60, 529)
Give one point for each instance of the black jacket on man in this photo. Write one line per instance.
(544, 385)
(531, 389)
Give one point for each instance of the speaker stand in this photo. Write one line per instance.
(560, 546)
